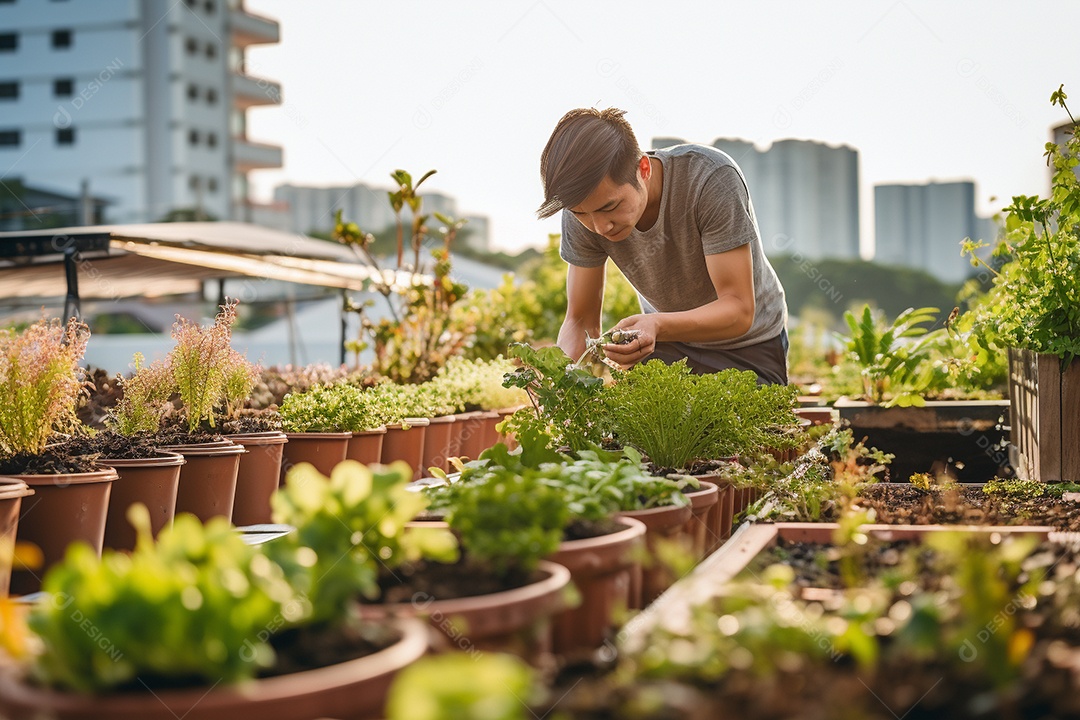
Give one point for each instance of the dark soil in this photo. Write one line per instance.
(252, 421)
(445, 581)
(584, 529)
(57, 459)
(818, 565)
(308, 648)
(112, 446)
(900, 504)
(181, 437)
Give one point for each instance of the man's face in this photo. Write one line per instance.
(613, 210)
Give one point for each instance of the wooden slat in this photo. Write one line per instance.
(1070, 423)
(1049, 418)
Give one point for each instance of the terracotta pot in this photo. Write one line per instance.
(366, 446)
(12, 492)
(720, 518)
(478, 434)
(467, 426)
(663, 524)
(517, 621)
(208, 479)
(65, 509)
(152, 482)
(406, 444)
(438, 443)
(257, 476)
(701, 527)
(602, 569)
(324, 450)
(352, 690)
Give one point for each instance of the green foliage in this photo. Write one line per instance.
(146, 393)
(478, 384)
(341, 407)
(490, 686)
(892, 356)
(677, 418)
(348, 526)
(567, 406)
(197, 606)
(40, 383)
(1035, 299)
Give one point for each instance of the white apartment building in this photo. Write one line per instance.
(144, 99)
(922, 226)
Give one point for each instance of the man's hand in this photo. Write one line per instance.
(626, 356)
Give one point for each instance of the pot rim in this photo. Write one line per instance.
(164, 458)
(106, 474)
(12, 488)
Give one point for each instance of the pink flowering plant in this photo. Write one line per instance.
(208, 377)
(41, 382)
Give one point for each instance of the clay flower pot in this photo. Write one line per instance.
(438, 444)
(666, 523)
(352, 690)
(479, 433)
(464, 426)
(405, 441)
(12, 492)
(66, 508)
(517, 621)
(257, 476)
(701, 527)
(602, 569)
(366, 446)
(324, 450)
(208, 479)
(153, 482)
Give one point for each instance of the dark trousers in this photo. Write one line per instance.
(768, 358)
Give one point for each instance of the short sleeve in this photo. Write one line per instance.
(579, 246)
(723, 212)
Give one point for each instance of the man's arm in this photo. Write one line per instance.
(584, 300)
(729, 316)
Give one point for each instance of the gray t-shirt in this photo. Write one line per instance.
(705, 209)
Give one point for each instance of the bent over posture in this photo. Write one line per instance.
(680, 226)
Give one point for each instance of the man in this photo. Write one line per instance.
(679, 225)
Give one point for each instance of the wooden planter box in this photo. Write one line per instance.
(1044, 404)
(965, 436)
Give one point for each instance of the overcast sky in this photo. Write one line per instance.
(924, 89)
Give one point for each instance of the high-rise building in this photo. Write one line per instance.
(922, 226)
(805, 194)
(146, 100)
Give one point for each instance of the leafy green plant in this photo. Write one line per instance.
(1035, 301)
(478, 384)
(491, 686)
(341, 407)
(348, 527)
(677, 418)
(192, 607)
(567, 406)
(892, 357)
(421, 332)
(40, 383)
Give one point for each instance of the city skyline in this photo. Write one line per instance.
(924, 92)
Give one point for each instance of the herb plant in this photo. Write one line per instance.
(40, 383)
(484, 686)
(341, 407)
(1035, 299)
(677, 418)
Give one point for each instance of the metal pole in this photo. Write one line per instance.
(344, 321)
(71, 271)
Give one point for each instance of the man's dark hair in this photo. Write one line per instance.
(586, 146)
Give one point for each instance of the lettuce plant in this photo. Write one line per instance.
(195, 607)
(40, 383)
(334, 408)
(348, 527)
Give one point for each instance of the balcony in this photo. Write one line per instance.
(249, 91)
(250, 29)
(248, 156)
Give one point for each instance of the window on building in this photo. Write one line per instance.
(7, 2)
(65, 136)
(63, 87)
(211, 184)
(9, 91)
(210, 7)
(9, 42)
(193, 182)
(211, 96)
(193, 137)
(211, 51)
(211, 139)
(61, 39)
(192, 92)
(10, 138)
(191, 45)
